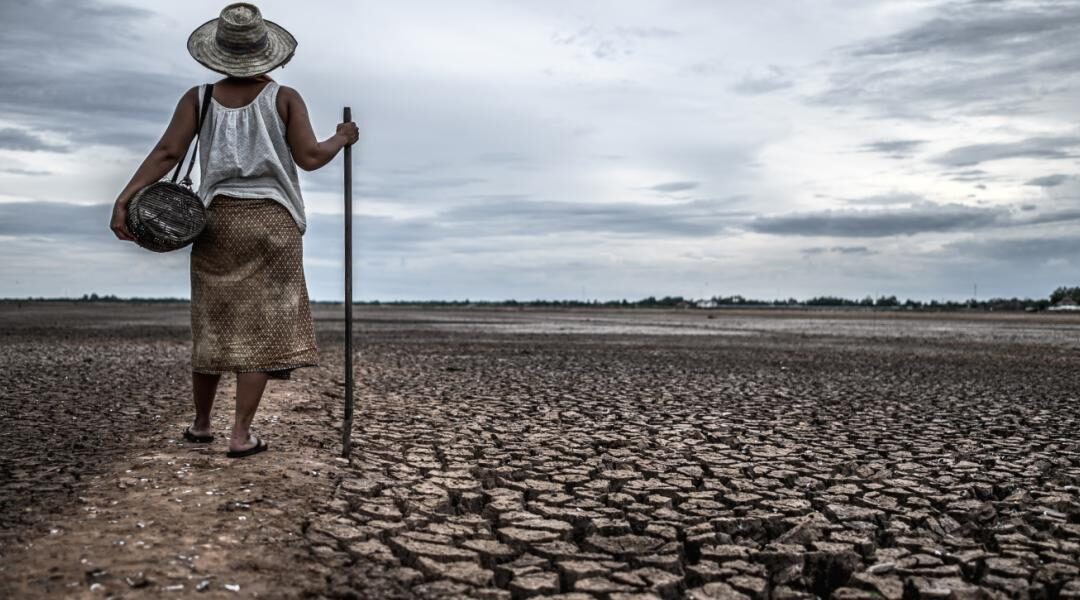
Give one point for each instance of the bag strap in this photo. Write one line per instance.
(195, 152)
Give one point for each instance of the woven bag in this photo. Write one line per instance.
(166, 215)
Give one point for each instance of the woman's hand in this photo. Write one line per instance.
(119, 221)
(348, 132)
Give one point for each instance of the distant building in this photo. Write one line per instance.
(707, 304)
(1065, 304)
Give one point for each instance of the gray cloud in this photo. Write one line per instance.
(28, 26)
(973, 57)
(894, 148)
(54, 218)
(536, 218)
(60, 73)
(675, 186)
(1048, 181)
(772, 79)
(844, 250)
(920, 218)
(1036, 147)
(25, 172)
(980, 28)
(1020, 250)
(970, 175)
(691, 219)
(20, 139)
(609, 44)
(878, 223)
(101, 106)
(1055, 216)
(885, 199)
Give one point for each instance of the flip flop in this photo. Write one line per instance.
(197, 439)
(260, 446)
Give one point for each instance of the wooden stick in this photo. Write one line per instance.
(346, 426)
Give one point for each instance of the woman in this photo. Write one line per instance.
(249, 303)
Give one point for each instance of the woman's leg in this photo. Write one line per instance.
(204, 388)
(249, 391)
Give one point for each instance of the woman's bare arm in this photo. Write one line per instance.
(169, 150)
(308, 152)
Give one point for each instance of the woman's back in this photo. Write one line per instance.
(235, 92)
(244, 153)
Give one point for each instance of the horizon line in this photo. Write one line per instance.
(668, 298)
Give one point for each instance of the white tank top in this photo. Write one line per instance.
(243, 154)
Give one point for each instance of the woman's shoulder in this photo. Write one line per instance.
(190, 99)
(288, 93)
(287, 99)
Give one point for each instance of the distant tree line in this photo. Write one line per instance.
(1064, 292)
(94, 298)
(891, 302)
(718, 301)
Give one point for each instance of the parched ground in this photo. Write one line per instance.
(511, 454)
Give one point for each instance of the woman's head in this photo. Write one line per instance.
(240, 43)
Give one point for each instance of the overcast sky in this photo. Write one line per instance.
(602, 149)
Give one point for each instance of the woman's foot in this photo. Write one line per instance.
(252, 445)
(198, 436)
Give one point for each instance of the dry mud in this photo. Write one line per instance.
(512, 454)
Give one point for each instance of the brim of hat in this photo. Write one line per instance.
(280, 47)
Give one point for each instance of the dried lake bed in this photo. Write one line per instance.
(587, 453)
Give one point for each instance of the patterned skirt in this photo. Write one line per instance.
(249, 300)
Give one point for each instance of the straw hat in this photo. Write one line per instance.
(240, 43)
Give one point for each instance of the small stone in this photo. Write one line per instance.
(440, 552)
(850, 593)
(464, 572)
(490, 551)
(600, 586)
(715, 591)
(362, 487)
(624, 545)
(847, 512)
(534, 584)
(723, 553)
(881, 568)
(442, 589)
(891, 587)
(520, 566)
(521, 538)
(405, 575)
(576, 570)
(753, 586)
(786, 593)
(662, 582)
(372, 550)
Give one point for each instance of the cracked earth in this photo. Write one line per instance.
(515, 454)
